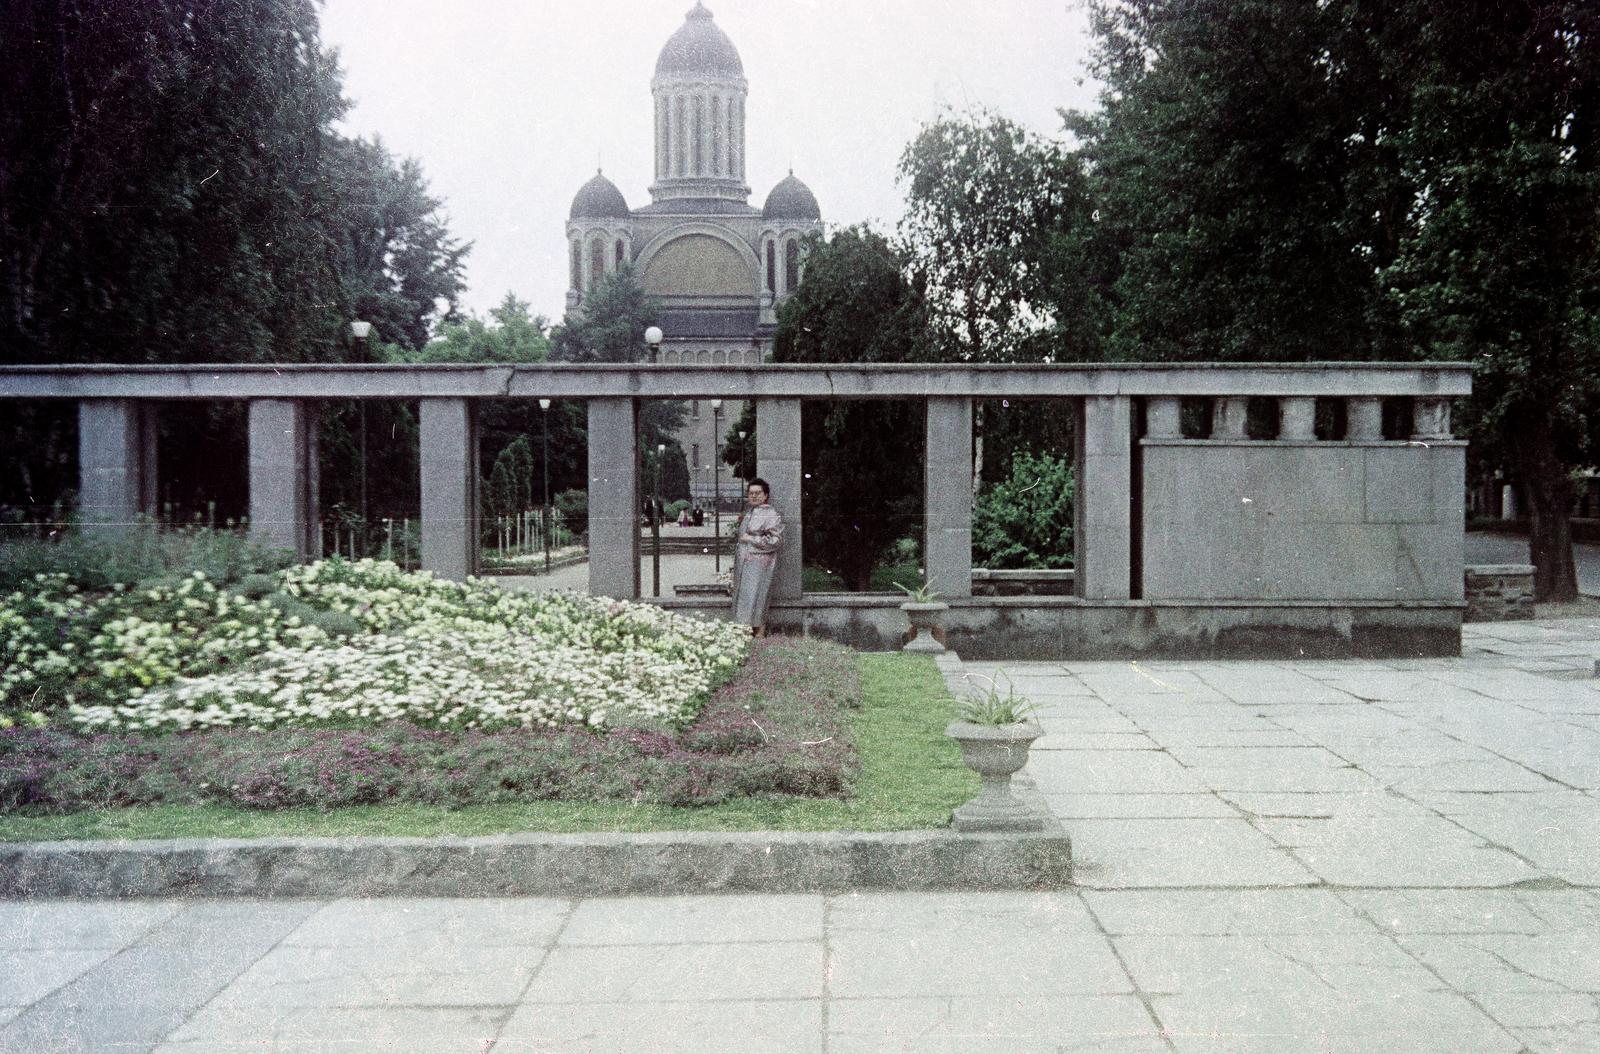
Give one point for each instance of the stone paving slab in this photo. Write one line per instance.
(1392, 856)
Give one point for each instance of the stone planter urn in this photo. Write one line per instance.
(925, 617)
(995, 753)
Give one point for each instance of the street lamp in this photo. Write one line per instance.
(716, 487)
(544, 407)
(741, 459)
(655, 523)
(653, 337)
(360, 331)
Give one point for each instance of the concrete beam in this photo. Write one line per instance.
(116, 464)
(614, 498)
(777, 381)
(947, 508)
(448, 430)
(283, 473)
(1103, 512)
(778, 462)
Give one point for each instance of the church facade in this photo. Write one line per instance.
(717, 265)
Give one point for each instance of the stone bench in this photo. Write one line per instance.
(1499, 592)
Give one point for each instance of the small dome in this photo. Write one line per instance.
(791, 200)
(599, 198)
(699, 48)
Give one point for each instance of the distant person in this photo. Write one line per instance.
(760, 535)
(683, 517)
(699, 516)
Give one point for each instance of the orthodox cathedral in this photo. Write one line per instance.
(716, 264)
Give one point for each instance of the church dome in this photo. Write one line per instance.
(599, 199)
(699, 48)
(791, 200)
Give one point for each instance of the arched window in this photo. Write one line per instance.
(621, 253)
(791, 266)
(597, 262)
(577, 265)
(772, 268)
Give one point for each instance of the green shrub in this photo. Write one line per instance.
(1025, 521)
(92, 562)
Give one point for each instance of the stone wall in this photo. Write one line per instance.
(1302, 520)
(1021, 583)
(1499, 592)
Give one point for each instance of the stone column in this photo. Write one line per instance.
(1364, 419)
(614, 498)
(1103, 514)
(448, 430)
(1430, 419)
(1163, 418)
(1297, 418)
(1229, 417)
(116, 464)
(283, 512)
(947, 510)
(778, 462)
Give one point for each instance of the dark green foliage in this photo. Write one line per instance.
(996, 228)
(776, 729)
(100, 563)
(172, 189)
(863, 460)
(1025, 521)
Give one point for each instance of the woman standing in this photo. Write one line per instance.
(760, 534)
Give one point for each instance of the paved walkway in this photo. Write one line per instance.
(1274, 857)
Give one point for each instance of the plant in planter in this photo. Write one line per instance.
(925, 611)
(995, 731)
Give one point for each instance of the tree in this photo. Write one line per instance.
(1501, 261)
(511, 333)
(609, 327)
(172, 189)
(1222, 158)
(863, 461)
(993, 218)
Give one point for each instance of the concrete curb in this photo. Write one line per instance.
(539, 865)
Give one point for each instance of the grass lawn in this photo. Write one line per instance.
(911, 777)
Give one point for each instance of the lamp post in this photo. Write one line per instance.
(655, 524)
(544, 415)
(360, 331)
(653, 337)
(716, 487)
(741, 459)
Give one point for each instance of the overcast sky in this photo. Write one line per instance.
(510, 104)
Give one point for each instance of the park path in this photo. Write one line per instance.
(1273, 857)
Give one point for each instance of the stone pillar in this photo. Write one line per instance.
(448, 452)
(614, 498)
(283, 469)
(947, 510)
(1163, 418)
(1103, 514)
(116, 464)
(1364, 419)
(1297, 418)
(1229, 417)
(778, 462)
(1430, 419)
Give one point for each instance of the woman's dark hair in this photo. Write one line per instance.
(766, 488)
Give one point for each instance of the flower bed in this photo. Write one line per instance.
(347, 645)
(777, 729)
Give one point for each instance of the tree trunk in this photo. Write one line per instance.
(1548, 489)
